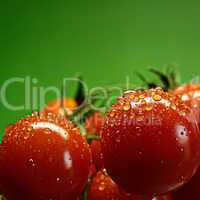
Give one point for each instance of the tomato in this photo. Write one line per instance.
(62, 107)
(150, 142)
(94, 123)
(190, 94)
(43, 157)
(97, 154)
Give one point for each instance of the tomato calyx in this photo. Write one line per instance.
(168, 80)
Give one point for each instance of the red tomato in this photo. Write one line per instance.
(43, 157)
(150, 146)
(94, 123)
(97, 154)
(190, 94)
(56, 107)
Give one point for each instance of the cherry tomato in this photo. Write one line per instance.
(150, 144)
(56, 107)
(190, 94)
(43, 157)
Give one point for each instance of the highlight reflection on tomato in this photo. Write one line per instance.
(40, 158)
(149, 144)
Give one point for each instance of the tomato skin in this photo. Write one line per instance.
(8, 128)
(190, 190)
(41, 157)
(150, 146)
(97, 154)
(190, 95)
(165, 197)
(55, 107)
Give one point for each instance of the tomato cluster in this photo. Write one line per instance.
(146, 147)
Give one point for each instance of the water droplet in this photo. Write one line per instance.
(195, 106)
(142, 96)
(29, 129)
(117, 140)
(112, 114)
(138, 129)
(183, 113)
(117, 132)
(58, 179)
(31, 161)
(143, 102)
(173, 106)
(157, 97)
(25, 137)
(101, 187)
(140, 118)
(148, 107)
(112, 125)
(126, 107)
(182, 149)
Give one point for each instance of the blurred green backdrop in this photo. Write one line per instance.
(102, 40)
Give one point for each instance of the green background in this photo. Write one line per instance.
(103, 40)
